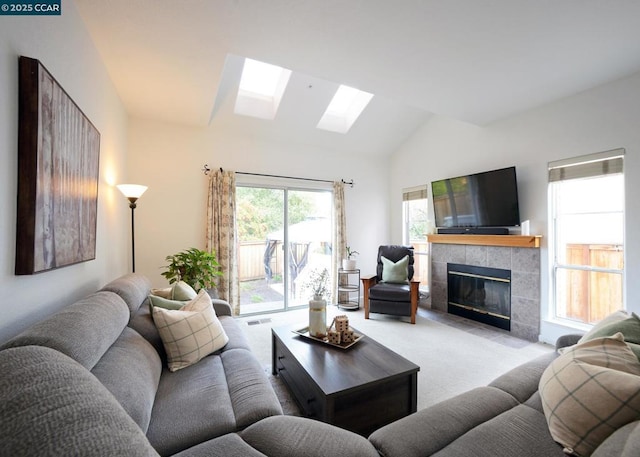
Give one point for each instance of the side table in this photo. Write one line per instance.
(348, 289)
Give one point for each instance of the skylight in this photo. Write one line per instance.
(345, 108)
(261, 88)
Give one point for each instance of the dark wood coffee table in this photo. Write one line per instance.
(360, 388)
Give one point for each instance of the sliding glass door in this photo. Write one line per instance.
(283, 235)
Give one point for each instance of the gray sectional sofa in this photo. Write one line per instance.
(92, 380)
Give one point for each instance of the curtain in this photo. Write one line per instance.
(339, 236)
(221, 233)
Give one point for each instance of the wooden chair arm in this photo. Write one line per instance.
(415, 296)
(368, 281)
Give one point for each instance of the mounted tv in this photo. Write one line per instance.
(484, 203)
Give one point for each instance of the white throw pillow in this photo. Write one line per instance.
(190, 333)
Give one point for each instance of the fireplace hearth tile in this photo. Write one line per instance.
(499, 257)
(525, 310)
(439, 272)
(526, 260)
(449, 253)
(476, 255)
(525, 285)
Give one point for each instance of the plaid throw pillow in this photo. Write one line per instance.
(589, 392)
(190, 333)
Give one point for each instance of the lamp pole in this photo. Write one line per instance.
(132, 205)
(133, 192)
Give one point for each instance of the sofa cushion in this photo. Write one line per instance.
(520, 431)
(522, 382)
(83, 331)
(142, 322)
(624, 442)
(130, 370)
(132, 287)
(51, 406)
(218, 395)
(252, 396)
(190, 333)
(230, 445)
(429, 430)
(390, 292)
(237, 337)
(590, 391)
(298, 436)
(192, 405)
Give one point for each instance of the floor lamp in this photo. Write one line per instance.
(133, 192)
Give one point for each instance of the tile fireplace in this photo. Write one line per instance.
(523, 263)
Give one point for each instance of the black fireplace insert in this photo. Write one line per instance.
(480, 293)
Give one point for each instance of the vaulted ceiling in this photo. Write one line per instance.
(475, 61)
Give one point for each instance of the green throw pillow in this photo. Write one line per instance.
(397, 272)
(635, 348)
(165, 303)
(629, 327)
(616, 316)
(183, 291)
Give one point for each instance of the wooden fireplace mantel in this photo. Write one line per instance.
(514, 241)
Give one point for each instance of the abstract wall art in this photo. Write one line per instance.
(58, 161)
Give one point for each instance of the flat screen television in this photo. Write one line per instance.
(477, 201)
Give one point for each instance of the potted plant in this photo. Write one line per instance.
(196, 267)
(349, 263)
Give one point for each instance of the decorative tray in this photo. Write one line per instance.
(304, 332)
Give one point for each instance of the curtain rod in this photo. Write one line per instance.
(206, 170)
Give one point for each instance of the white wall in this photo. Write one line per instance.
(63, 46)
(597, 120)
(171, 215)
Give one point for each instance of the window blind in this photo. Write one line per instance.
(598, 164)
(415, 193)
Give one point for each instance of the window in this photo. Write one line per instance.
(586, 196)
(415, 229)
(284, 234)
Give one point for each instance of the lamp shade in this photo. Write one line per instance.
(132, 191)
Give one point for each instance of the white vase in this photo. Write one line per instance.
(348, 264)
(318, 317)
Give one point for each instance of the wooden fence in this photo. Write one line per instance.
(592, 295)
(251, 260)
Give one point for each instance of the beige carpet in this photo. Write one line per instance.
(454, 354)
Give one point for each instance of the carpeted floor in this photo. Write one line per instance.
(454, 354)
(288, 403)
